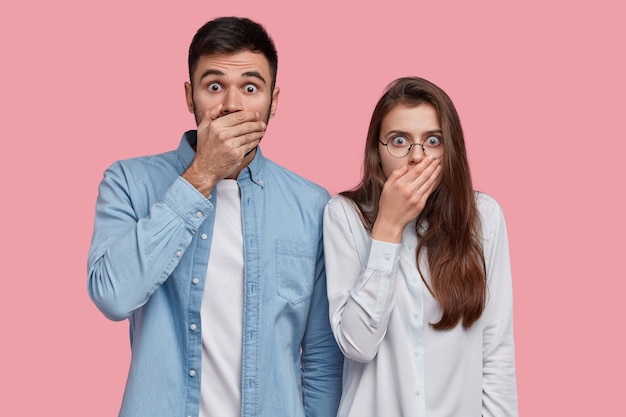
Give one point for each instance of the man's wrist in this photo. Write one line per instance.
(201, 182)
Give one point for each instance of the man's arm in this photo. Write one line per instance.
(135, 245)
(322, 361)
(135, 250)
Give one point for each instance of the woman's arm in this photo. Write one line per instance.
(361, 278)
(499, 380)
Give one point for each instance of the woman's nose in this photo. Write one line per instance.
(416, 154)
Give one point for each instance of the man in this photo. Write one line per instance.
(214, 254)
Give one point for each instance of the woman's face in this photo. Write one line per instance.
(405, 125)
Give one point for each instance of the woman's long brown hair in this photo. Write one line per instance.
(448, 228)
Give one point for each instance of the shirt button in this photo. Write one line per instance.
(210, 196)
(193, 327)
(416, 316)
(418, 392)
(260, 182)
(179, 253)
(416, 354)
(198, 214)
(195, 281)
(203, 236)
(192, 373)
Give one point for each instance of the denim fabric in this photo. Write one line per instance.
(147, 263)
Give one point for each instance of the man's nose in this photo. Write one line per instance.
(232, 102)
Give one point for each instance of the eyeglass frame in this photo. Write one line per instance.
(408, 151)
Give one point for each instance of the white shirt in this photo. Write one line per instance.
(396, 363)
(222, 309)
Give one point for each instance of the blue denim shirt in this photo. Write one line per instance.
(148, 262)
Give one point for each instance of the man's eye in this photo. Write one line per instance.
(251, 88)
(215, 87)
(399, 141)
(432, 141)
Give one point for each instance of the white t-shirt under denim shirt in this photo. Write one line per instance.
(222, 308)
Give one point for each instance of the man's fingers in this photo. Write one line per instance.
(237, 118)
(235, 136)
(250, 140)
(214, 112)
(242, 135)
(217, 120)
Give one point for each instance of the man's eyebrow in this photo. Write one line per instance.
(253, 74)
(208, 72)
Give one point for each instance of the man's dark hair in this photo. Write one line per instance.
(228, 35)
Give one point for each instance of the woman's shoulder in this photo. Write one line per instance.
(346, 204)
(486, 204)
(340, 200)
(343, 209)
(341, 203)
(491, 214)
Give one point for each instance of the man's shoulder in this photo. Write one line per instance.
(147, 162)
(175, 160)
(148, 158)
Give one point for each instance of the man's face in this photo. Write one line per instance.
(239, 81)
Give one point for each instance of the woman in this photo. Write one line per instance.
(418, 271)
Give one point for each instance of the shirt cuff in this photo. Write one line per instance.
(188, 203)
(383, 256)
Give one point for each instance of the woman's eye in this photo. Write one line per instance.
(251, 88)
(399, 141)
(433, 141)
(214, 87)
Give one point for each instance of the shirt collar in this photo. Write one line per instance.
(185, 148)
(254, 170)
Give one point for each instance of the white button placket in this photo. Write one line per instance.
(416, 314)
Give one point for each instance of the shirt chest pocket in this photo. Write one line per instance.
(295, 270)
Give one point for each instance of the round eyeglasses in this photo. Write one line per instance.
(400, 146)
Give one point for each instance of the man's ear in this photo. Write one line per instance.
(274, 107)
(189, 96)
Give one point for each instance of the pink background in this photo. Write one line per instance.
(540, 89)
